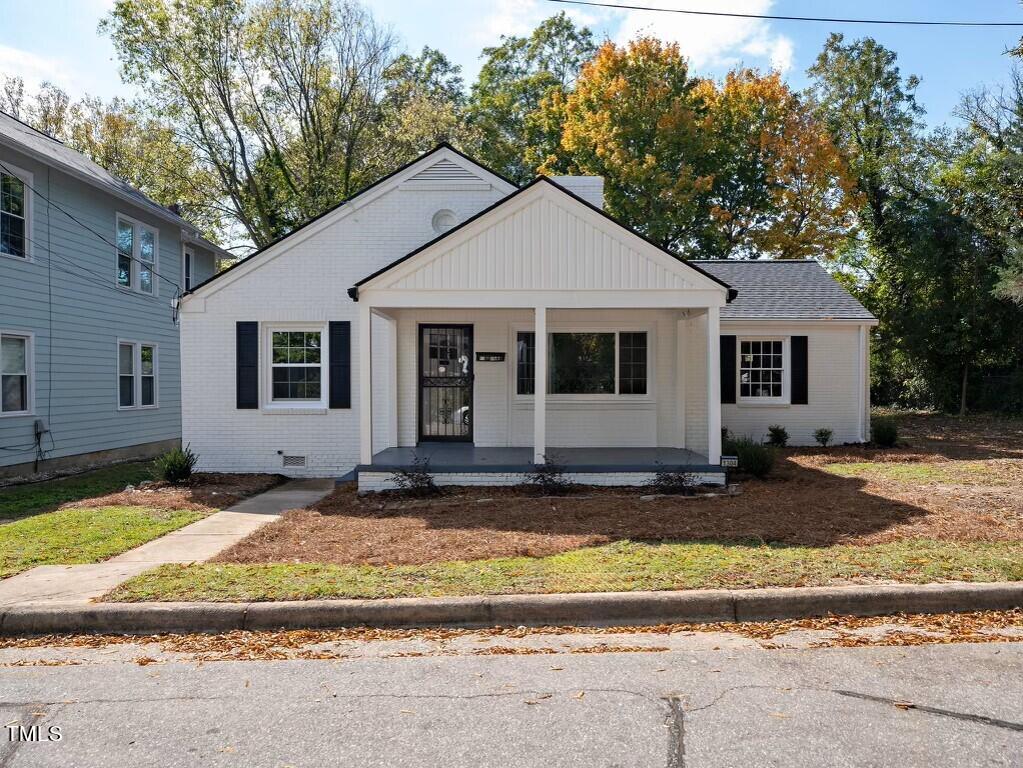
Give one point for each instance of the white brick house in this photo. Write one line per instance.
(444, 312)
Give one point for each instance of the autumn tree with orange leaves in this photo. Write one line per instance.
(733, 169)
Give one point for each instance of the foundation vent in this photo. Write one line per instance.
(294, 461)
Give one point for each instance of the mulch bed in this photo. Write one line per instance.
(205, 491)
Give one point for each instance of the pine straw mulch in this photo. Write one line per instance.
(825, 632)
(204, 492)
(802, 504)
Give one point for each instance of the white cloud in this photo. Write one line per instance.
(35, 69)
(714, 41)
(520, 17)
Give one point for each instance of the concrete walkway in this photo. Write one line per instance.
(194, 543)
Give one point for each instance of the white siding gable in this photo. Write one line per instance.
(542, 239)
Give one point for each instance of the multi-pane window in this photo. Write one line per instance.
(584, 363)
(15, 388)
(13, 216)
(136, 375)
(136, 255)
(187, 269)
(761, 368)
(295, 366)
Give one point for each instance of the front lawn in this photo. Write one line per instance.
(83, 535)
(31, 498)
(619, 567)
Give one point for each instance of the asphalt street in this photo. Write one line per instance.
(935, 705)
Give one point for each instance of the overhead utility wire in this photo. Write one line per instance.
(771, 17)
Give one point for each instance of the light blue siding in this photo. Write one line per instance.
(66, 295)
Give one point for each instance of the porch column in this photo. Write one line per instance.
(365, 383)
(540, 385)
(714, 385)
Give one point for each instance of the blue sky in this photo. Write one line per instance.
(57, 39)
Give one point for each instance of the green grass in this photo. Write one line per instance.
(32, 498)
(623, 566)
(918, 472)
(75, 536)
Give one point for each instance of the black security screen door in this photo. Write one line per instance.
(445, 382)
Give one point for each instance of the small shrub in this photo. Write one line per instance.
(754, 458)
(416, 480)
(777, 436)
(884, 432)
(176, 465)
(672, 481)
(823, 436)
(548, 479)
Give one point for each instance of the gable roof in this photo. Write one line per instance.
(50, 151)
(785, 290)
(508, 201)
(347, 203)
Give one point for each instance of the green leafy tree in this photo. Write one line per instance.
(516, 77)
(279, 98)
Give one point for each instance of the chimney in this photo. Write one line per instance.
(589, 188)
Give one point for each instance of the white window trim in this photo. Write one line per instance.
(269, 404)
(187, 274)
(136, 259)
(617, 397)
(27, 178)
(136, 356)
(30, 369)
(786, 373)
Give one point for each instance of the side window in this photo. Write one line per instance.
(15, 374)
(137, 372)
(137, 247)
(14, 224)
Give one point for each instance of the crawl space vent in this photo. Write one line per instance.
(294, 461)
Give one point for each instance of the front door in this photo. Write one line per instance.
(445, 382)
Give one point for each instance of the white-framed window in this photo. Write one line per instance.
(763, 370)
(186, 268)
(15, 213)
(16, 373)
(586, 363)
(297, 358)
(137, 248)
(137, 375)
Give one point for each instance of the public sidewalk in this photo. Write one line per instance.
(194, 543)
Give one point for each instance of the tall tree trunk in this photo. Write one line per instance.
(962, 394)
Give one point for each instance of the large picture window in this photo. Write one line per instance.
(585, 363)
(137, 246)
(296, 367)
(15, 373)
(761, 369)
(13, 216)
(136, 375)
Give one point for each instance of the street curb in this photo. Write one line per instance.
(582, 609)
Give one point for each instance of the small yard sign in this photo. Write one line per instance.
(490, 357)
(730, 461)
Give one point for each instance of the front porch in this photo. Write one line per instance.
(467, 464)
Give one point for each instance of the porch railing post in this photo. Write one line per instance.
(365, 383)
(540, 385)
(714, 385)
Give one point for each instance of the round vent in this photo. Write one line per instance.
(443, 220)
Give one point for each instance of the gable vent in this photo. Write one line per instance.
(294, 461)
(445, 170)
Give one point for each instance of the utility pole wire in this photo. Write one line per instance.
(771, 17)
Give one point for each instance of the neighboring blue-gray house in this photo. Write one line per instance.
(90, 360)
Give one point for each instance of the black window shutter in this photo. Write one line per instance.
(247, 364)
(340, 364)
(800, 371)
(727, 369)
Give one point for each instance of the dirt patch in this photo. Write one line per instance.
(206, 491)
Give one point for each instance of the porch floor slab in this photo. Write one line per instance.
(463, 457)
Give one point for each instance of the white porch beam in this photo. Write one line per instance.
(540, 385)
(714, 385)
(516, 299)
(365, 383)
